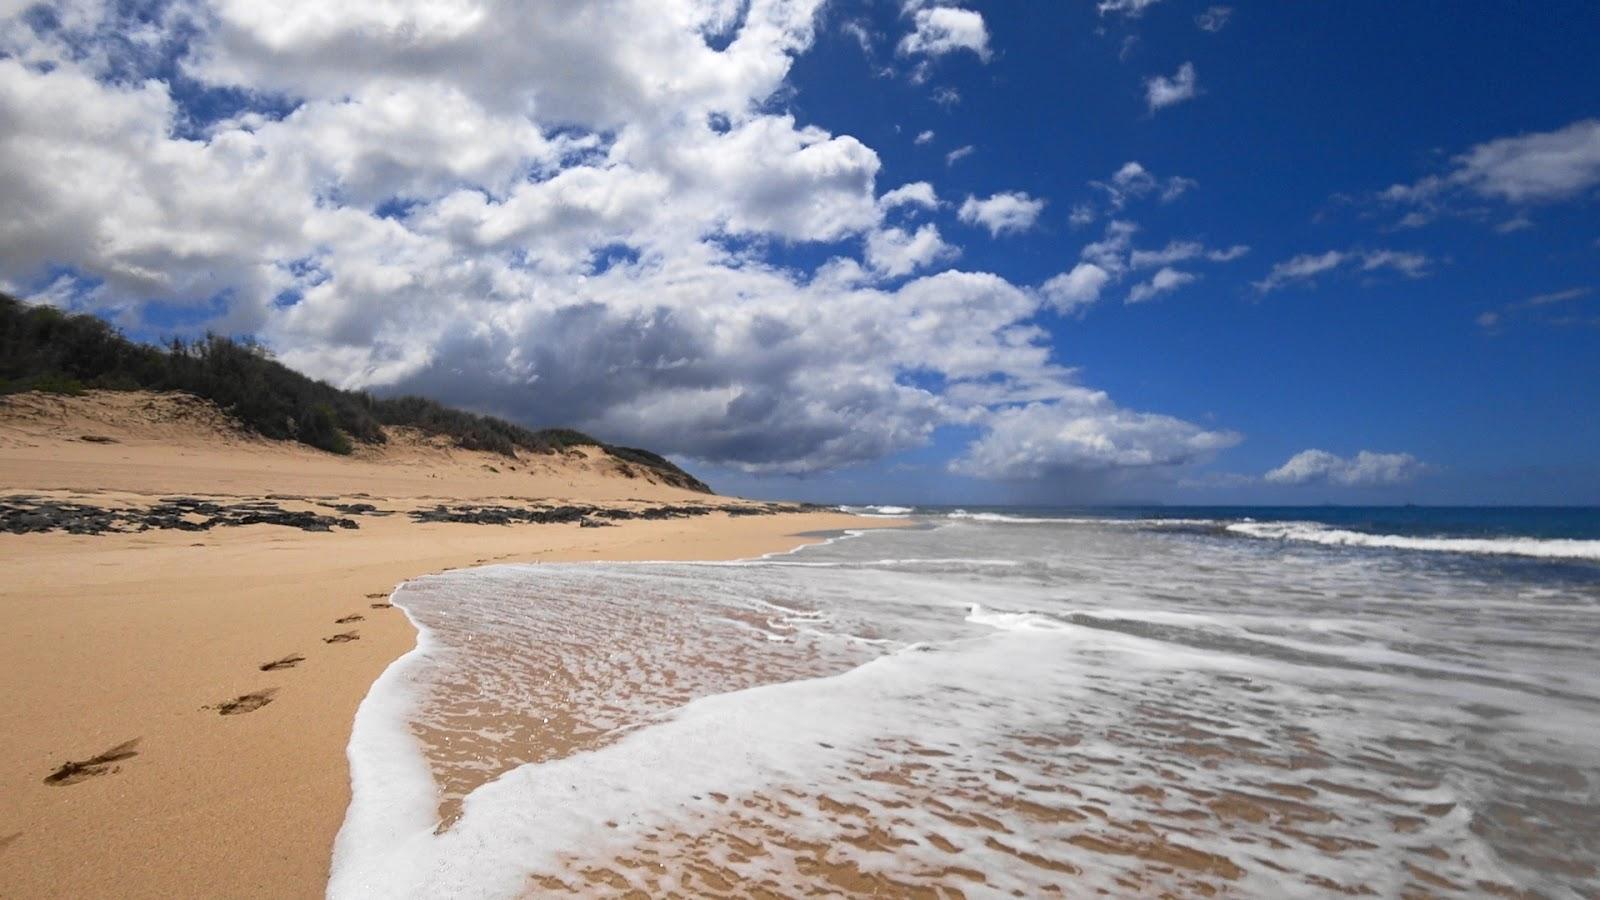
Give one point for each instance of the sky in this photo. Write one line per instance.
(909, 251)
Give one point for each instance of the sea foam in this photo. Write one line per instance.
(1317, 533)
(1113, 710)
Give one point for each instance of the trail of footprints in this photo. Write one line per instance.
(108, 762)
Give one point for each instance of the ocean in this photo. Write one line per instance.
(1313, 702)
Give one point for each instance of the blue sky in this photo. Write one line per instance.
(1196, 253)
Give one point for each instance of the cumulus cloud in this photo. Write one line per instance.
(1307, 266)
(923, 137)
(1075, 289)
(1365, 469)
(1161, 92)
(423, 197)
(1005, 212)
(895, 252)
(958, 154)
(1082, 433)
(945, 29)
(916, 193)
(1166, 280)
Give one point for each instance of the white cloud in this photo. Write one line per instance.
(923, 137)
(1114, 257)
(1161, 92)
(916, 193)
(858, 31)
(945, 29)
(1164, 281)
(1300, 268)
(1536, 305)
(427, 197)
(1308, 266)
(1085, 433)
(958, 154)
(1534, 168)
(1214, 19)
(1111, 251)
(1365, 469)
(1133, 182)
(1008, 211)
(1130, 8)
(1183, 251)
(895, 252)
(1078, 288)
(1562, 296)
(1411, 265)
(1523, 171)
(1176, 187)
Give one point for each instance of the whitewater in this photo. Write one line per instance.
(992, 706)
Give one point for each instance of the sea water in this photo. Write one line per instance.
(987, 703)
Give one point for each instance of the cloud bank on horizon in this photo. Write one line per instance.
(622, 216)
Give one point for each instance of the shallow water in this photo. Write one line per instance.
(991, 708)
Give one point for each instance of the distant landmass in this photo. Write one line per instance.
(45, 349)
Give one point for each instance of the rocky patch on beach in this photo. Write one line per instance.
(589, 516)
(23, 514)
(28, 514)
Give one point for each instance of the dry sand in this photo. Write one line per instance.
(142, 637)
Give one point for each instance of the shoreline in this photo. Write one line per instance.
(121, 637)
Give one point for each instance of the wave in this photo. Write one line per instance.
(1315, 533)
(1130, 522)
(880, 511)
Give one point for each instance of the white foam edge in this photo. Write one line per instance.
(394, 800)
(1317, 533)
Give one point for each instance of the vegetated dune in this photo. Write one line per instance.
(149, 442)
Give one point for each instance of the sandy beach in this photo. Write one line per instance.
(137, 642)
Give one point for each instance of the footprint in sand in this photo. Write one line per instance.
(103, 764)
(376, 596)
(353, 617)
(286, 662)
(342, 638)
(246, 703)
(383, 606)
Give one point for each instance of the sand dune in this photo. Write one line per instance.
(178, 702)
(146, 442)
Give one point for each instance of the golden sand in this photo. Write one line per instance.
(140, 656)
